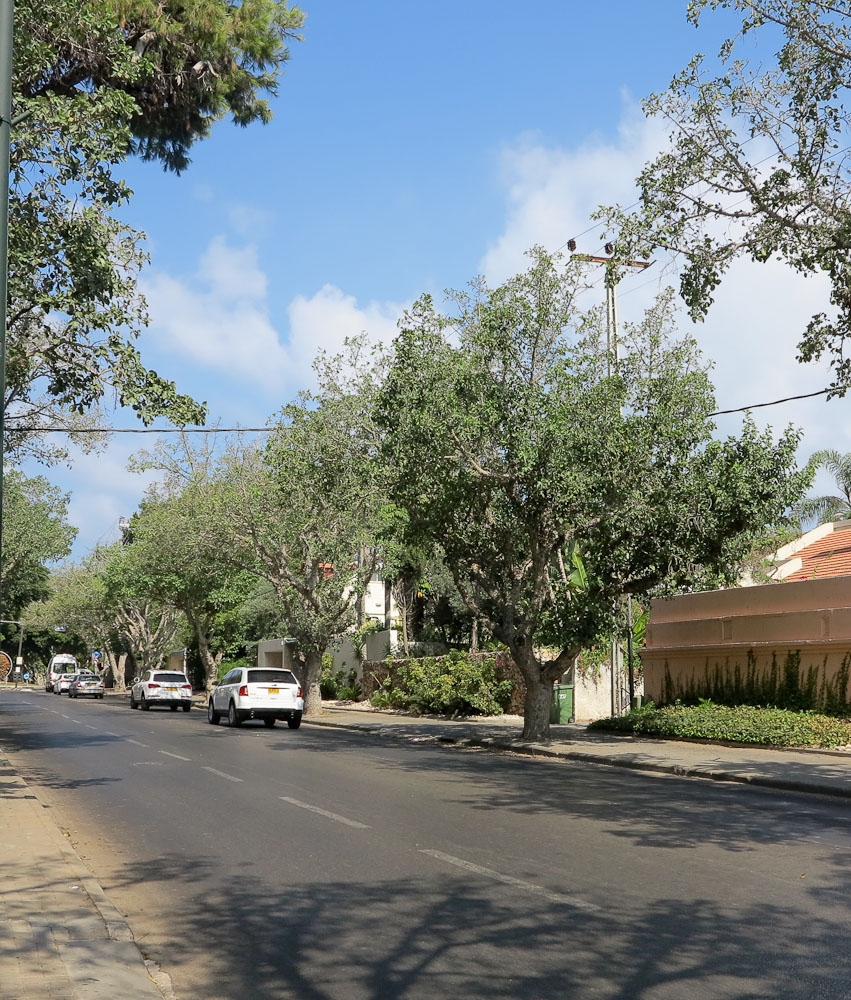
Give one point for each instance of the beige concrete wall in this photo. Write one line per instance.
(696, 634)
(275, 653)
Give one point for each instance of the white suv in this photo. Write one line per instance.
(266, 693)
(161, 687)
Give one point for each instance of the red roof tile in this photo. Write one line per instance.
(829, 556)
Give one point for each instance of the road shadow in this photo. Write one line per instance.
(454, 935)
(645, 810)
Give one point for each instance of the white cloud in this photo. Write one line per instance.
(219, 317)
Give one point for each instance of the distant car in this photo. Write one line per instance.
(62, 663)
(161, 687)
(86, 683)
(266, 693)
(63, 683)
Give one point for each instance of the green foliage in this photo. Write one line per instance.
(713, 196)
(35, 533)
(339, 685)
(100, 80)
(830, 507)
(739, 724)
(780, 685)
(555, 486)
(455, 684)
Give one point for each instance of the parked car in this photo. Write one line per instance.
(86, 683)
(63, 683)
(161, 687)
(267, 693)
(62, 663)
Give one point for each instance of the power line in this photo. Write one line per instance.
(774, 402)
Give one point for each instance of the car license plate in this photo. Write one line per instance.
(169, 689)
(273, 690)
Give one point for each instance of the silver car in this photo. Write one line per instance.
(86, 683)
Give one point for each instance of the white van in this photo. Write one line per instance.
(62, 663)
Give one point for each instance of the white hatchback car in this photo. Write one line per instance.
(161, 687)
(267, 693)
(62, 683)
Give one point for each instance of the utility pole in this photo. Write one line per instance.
(7, 29)
(612, 352)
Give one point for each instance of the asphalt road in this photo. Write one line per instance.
(319, 864)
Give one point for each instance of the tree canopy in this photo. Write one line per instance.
(757, 163)
(508, 440)
(99, 81)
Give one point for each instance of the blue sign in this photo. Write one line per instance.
(96, 655)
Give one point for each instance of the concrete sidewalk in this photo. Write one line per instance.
(60, 937)
(813, 771)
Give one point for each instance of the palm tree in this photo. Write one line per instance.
(828, 508)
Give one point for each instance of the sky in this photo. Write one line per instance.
(415, 146)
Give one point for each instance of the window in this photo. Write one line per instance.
(271, 677)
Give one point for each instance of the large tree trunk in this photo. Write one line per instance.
(539, 680)
(310, 682)
(209, 659)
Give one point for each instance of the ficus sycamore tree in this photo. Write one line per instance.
(507, 439)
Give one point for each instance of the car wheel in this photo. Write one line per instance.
(186, 707)
(212, 714)
(269, 723)
(172, 708)
(294, 721)
(233, 718)
(133, 702)
(100, 696)
(144, 703)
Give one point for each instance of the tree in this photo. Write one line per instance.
(829, 508)
(37, 533)
(103, 601)
(510, 443)
(100, 80)
(172, 563)
(757, 164)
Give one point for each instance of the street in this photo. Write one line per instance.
(325, 865)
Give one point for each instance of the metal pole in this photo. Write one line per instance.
(629, 653)
(7, 28)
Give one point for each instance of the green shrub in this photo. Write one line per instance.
(339, 685)
(455, 684)
(740, 724)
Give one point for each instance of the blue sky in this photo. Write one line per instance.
(413, 147)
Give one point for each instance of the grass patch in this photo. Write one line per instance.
(777, 727)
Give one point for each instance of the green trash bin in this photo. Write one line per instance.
(562, 710)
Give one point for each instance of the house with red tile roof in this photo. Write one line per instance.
(823, 552)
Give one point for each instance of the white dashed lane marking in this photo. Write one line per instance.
(136, 742)
(538, 890)
(177, 755)
(324, 812)
(221, 774)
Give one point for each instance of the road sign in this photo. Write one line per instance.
(95, 655)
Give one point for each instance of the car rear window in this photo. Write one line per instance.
(271, 677)
(87, 677)
(171, 678)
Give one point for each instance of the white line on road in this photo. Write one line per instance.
(112, 734)
(324, 812)
(138, 744)
(177, 755)
(221, 774)
(90, 727)
(539, 890)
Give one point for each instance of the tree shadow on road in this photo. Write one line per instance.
(450, 935)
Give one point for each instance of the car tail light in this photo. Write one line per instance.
(152, 684)
(243, 691)
(185, 687)
(299, 695)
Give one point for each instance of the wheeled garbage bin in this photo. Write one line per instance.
(562, 710)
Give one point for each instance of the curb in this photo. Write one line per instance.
(630, 763)
(117, 928)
